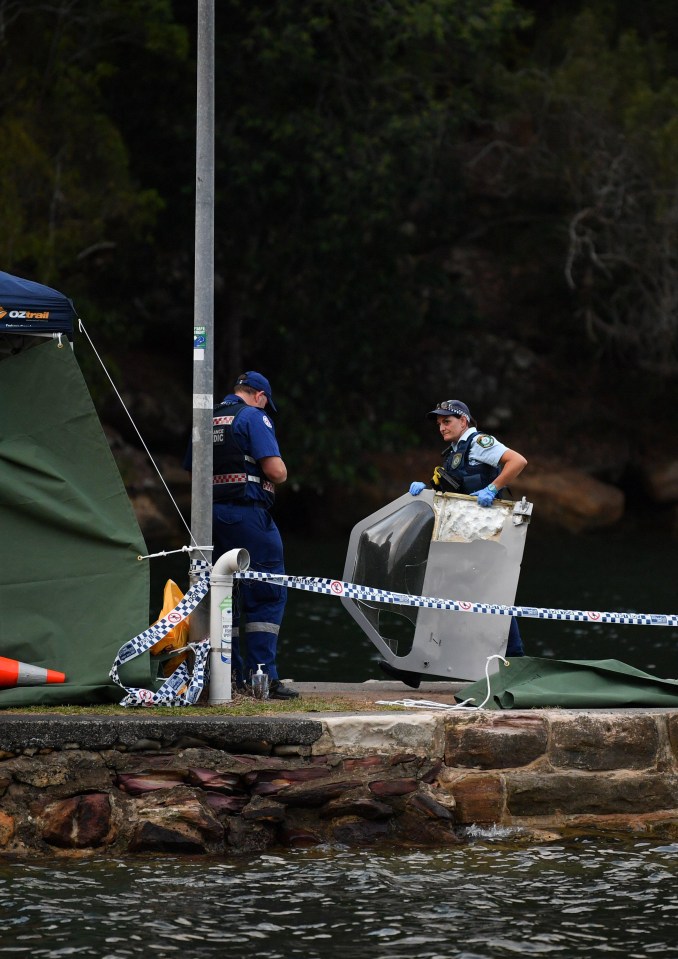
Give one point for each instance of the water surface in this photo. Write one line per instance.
(483, 900)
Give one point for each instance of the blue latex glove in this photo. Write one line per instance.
(416, 488)
(487, 496)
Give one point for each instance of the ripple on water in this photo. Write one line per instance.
(489, 898)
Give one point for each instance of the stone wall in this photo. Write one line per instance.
(193, 785)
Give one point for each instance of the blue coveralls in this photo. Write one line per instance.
(242, 496)
(475, 474)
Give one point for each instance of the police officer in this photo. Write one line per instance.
(477, 464)
(247, 468)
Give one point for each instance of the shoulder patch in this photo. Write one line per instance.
(485, 441)
(267, 422)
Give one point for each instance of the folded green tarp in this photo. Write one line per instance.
(72, 589)
(532, 683)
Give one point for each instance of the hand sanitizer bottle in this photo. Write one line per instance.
(260, 683)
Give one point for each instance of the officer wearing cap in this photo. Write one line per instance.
(477, 464)
(247, 468)
(474, 463)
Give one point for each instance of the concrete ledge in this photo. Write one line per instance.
(19, 732)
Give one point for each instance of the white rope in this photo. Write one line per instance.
(421, 703)
(141, 439)
(184, 549)
(426, 704)
(487, 676)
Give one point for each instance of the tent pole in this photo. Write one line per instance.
(203, 333)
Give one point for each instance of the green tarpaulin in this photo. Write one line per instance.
(529, 683)
(72, 589)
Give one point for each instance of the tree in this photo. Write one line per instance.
(66, 190)
(340, 193)
(598, 170)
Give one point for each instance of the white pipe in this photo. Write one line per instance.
(221, 623)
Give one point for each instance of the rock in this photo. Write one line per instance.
(484, 742)
(570, 498)
(80, 822)
(357, 804)
(216, 781)
(296, 837)
(627, 792)
(479, 797)
(597, 743)
(7, 828)
(176, 822)
(229, 805)
(138, 783)
(246, 836)
(359, 832)
(393, 787)
(661, 481)
(151, 837)
(264, 810)
(429, 803)
(311, 796)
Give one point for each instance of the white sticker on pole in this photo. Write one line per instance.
(199, 342)
(226, 607)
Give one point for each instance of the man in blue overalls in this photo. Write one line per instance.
(247, 468)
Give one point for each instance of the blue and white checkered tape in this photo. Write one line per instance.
(334, 587)
(182, 688)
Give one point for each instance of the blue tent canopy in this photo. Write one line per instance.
(31, 308)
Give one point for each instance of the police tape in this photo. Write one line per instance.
(184, 686)
(335, 587)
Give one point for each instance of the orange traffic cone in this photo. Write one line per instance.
(14, 673)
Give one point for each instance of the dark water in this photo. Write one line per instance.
(630, 568)
(484, 900)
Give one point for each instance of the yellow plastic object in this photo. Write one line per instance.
(178, 636)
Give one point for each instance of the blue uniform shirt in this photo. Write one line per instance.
(255, 435)
(489, 450)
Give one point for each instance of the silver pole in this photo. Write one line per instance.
(203, 333)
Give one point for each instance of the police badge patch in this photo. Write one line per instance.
(485, 441)
(456, 460)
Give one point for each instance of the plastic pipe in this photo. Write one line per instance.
(221, 623)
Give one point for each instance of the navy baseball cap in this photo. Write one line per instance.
(451, 408)
(257, 382)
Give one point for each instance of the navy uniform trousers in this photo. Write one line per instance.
(260, 604)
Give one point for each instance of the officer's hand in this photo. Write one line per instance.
(487, 496)
(416, 488)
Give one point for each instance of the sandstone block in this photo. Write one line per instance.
(598, 742)
(495, 742)
(559, 794)
(479, 797)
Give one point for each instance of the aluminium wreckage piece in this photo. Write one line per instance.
(444, 546)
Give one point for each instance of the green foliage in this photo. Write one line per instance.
(340, 194)
(392, 179)
(65, 184)
(604, 146)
